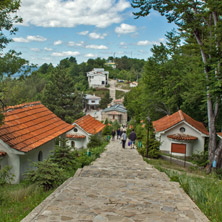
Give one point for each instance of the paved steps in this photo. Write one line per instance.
(118, 187)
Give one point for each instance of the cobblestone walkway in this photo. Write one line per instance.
(119, 186)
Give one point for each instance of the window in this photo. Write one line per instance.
(113, 116)
(75, 130)
(40, 156)
(182, 129)
(103, 82)
(73, 144)
(93, 101)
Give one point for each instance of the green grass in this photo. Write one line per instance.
(18, 200)
(204, 190)
(119, 94)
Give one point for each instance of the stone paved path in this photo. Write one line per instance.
(118, 187)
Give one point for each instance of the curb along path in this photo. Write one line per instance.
(119, 187)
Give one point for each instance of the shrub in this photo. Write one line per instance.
(107, 130)
(200, 159)
(5, 175)
(64, 157)
(95, 140)
(46, 174)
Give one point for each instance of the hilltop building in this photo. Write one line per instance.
(98, 78)
(92, 102)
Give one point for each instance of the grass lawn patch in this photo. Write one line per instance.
(119, 94)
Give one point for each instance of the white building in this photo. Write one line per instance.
(98, 77)
(28, 135)
(180, 135)
(84, 127)
(92, 102)
(133, 84)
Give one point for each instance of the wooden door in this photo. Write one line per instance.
(178, 148)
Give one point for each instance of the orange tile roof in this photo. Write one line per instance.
(182, 137)
(75, 136)
(170, 120)
(90, 124)
(30, 125)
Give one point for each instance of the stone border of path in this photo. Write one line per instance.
(41, 207)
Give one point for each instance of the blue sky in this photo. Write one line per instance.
(56, 29)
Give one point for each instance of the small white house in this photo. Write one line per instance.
(133, 84)
(84, 127)
(180, 135)
(98, 78)
(92, 102)
(28, 135)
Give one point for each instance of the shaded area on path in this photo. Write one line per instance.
(119, 186)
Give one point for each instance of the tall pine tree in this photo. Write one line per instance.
(61, 97)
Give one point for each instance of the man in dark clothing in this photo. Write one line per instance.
(132, 138)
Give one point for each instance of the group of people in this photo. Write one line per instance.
(121, 134)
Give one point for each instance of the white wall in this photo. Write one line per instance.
(11, 159)
(32, 156)
(96, 80)
(79, 143)
(96, 101)
(196, 146)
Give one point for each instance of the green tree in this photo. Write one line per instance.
(61, 97)
(7, 21)
(201, 20)
(105, 101)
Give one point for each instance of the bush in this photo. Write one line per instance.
(5, 175)
(64, 157)
(46, 174)
(200, 159)
(107, 130)
(95, 140)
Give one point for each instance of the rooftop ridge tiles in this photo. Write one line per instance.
(181, 114)
(11, 108)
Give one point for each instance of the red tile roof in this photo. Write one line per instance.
(75, 136)
(90, 124)
(219, 134)
(30, 125)
(170, 120)
(182, 137)
(2, 153)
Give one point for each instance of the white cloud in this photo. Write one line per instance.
(94, 35)
(35, 49)
(71, 43)
(58, 42)
(122, 43)
(83, 33)
(47, 49)
(66, 53)
(161, 39)
(30, 38)
(96, 47)
(36, 38)
(20, 39)
(125, 29)
(147, 42)
(90, 55)
(69, 13)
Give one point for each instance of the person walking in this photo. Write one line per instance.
(113, 134)
(118, 133)
(132, 138)
(124, 137)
